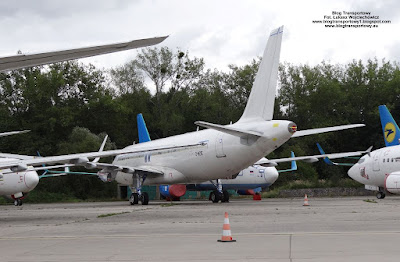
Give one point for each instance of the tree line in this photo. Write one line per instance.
(69, 107)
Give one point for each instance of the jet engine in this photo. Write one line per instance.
(392, 183)
(172, 192)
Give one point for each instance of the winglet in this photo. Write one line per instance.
(326, 159)
(390, 129)
(142, 129)
(294, 164)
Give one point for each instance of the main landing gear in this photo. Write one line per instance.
(381, 194)
(218, 194)
(18, 198)
(18, 202)
(137, 194)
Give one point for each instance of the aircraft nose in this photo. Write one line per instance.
(271, 175)
(31, 179)
(354, 172)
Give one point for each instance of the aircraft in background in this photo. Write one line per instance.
(220, 151)
(380, 170)
(17, 181)
(29, 60)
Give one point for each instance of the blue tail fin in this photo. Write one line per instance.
(390, 129)
(142, 129)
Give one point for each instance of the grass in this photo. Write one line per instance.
(302, 184)
(168, 204)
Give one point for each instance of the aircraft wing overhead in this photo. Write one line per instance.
(324, 130)
(83, 158)
(21, 61)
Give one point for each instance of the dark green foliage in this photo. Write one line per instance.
(173, 90)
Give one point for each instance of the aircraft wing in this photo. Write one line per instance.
(14, 133)
(324, 130)
(310, 159)
(21, 61)
(16, 156)
(83, 158)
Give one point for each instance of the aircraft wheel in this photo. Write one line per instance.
(17, 202)
(380, 195)
(134, 199)
(145, 198)
(225, 197)
(215, 196)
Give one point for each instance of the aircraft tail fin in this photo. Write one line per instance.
(142, 129)
(262, 97)
(390, 129)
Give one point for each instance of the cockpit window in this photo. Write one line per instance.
(361, 160)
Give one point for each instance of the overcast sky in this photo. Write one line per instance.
(222, 32)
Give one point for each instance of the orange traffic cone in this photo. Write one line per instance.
(306, 201)
(226, 231)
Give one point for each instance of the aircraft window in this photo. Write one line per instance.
(383, 160)
(388, 159)
(361, 160)
(1, 176)
(392, 159)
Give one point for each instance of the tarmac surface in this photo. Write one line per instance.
(330, 229)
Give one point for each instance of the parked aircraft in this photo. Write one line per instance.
(380, 170)
(253, 177)
(249, 181)
(28, 60)
(220, 151)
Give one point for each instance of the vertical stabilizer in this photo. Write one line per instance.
(390, 129)
(142, 129)
(262, 97)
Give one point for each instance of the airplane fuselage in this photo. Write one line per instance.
(221, 155)
(372, 170)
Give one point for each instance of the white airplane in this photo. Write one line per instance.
(28, 60)
(249, 181)
(380, 170)
(223, 151)
(219, 152)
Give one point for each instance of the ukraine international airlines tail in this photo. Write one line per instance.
(220, 151)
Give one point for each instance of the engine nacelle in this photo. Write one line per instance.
(104, 176)
(172, 191)
(392, 183)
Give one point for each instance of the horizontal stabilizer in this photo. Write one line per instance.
(229, 130)
(324, 130)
